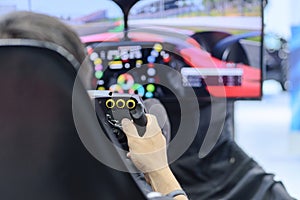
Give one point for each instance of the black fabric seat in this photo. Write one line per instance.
(41, 154)
(227, 172)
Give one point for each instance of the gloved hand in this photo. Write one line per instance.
(148, 152)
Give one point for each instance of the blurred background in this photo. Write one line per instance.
(268, 129)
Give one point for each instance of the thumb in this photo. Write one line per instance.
(128, 128)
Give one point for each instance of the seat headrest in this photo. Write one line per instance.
(41, 154)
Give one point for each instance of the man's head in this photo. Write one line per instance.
(29, 25)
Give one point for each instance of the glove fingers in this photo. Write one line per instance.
(152, 126)
(129, 128)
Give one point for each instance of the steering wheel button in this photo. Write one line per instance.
(158, 47)
(149, 95)
(98, 67)
(151, 59)
(98, 74)
(150, 88)
(93, 56)
(151, 71)
(154, 53)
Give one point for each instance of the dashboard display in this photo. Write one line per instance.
(132, 68)
(211, 76)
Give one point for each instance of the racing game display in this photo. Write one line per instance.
(215, 47)
(164, 46)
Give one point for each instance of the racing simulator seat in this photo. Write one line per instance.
(225, 172)
(41, 154)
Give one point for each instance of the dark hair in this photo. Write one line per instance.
(30, 25)
(37, 26)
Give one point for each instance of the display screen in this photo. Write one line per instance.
(213, 48)
(231, 31)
